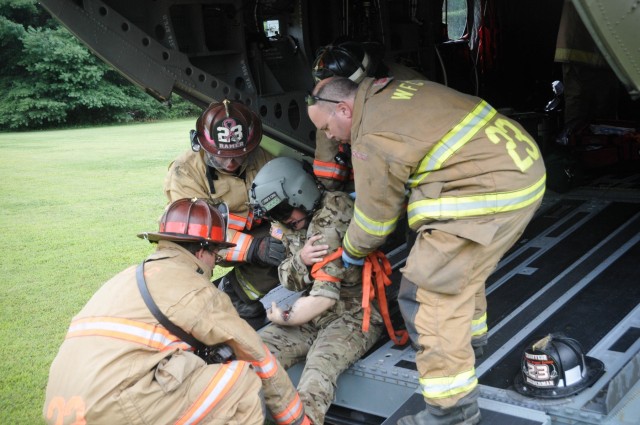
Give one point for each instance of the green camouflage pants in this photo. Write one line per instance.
(330, 344)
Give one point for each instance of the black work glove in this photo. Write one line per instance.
(266, 251)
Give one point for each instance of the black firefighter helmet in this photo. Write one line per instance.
(556, 367)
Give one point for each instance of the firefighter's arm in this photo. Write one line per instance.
(217, 322)
(184, 181)
(332, 174)
(381, 198)
(262, 250)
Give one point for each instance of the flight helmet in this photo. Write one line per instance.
(556, 367)
(283, 184)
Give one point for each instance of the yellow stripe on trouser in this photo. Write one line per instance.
(434, 388)
(479, 326)
(443, 321)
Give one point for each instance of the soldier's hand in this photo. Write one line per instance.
(266, 251)
(310, 253)
(277, 315)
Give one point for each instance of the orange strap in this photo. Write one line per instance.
(375, 277)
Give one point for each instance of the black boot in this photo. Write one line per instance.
(466, 412)
(251, 311)
(478, 344)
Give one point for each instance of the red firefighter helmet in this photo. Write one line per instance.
(556, 367)
(228, 129)
(192, 220)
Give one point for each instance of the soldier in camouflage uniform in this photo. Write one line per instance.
(324, 325)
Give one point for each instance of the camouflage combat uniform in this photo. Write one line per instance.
(333, 341)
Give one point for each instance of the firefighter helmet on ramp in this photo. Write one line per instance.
(556, 367)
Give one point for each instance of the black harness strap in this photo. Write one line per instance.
(211, 176)
(164, 321)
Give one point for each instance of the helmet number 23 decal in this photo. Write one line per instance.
(229, 133)
(506, 130)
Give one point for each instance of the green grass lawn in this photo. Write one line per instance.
(71, 204)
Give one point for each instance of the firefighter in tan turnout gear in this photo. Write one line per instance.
(356, 61)
(119, 363)
(470, 180)
(220, 167)
(324, 325)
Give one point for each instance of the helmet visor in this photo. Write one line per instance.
(228, 165)
(280, 212)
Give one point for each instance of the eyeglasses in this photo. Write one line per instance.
(312, 99)
(219, 258)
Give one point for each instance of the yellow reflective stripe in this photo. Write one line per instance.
(449, 385)
(563, 54)
(153, 336)
(479, 326)
(474, 205)
(371, 226)
(455, 139)
(251, 292)
(351, 250)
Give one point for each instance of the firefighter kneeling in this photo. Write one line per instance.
(132, 353)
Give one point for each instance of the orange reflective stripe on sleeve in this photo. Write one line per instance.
(153, 336)
(216, 390)
(291, 413)
(331, 170)
(237, 222)
(268, 367)
(239, 252)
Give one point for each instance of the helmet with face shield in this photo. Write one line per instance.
(228, 131)
(284, 184)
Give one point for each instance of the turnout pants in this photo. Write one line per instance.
(439, 313)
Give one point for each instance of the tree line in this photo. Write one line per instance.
(48, 79)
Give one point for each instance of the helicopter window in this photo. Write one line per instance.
(454, 17)
(272, 28)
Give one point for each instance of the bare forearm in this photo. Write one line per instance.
(301, 312)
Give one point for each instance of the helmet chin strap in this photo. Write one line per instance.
(361, 72)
